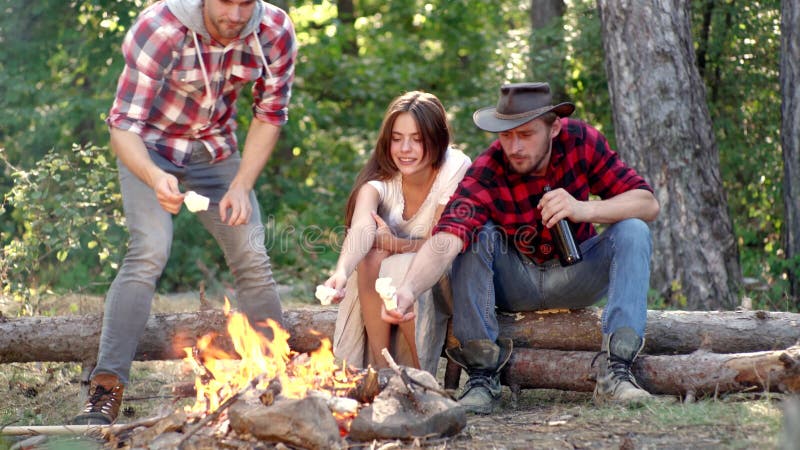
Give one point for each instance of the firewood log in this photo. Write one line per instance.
(700, 373)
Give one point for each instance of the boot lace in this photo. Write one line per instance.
(102, 400)
(481, 379)
(619, 368)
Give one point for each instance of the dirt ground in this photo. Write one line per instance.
(48, 394)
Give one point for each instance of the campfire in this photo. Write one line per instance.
(263, 365)
(263, 391)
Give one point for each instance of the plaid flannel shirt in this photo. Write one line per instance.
(162, 94)
(581, 162)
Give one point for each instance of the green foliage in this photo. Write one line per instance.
(58, 68)
(743, 91)
(67, 214)
(587, 83)
(58, 74)
(340, 96)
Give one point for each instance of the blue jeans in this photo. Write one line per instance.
(128, 301)
(491, 274)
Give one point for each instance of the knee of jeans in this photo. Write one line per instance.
(251, 265)
(148, 255)
(634, 232)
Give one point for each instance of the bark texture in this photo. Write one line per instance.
(667, 331)
(543, 12)
(790, 135)
(663, 129)
(75, 338)
(698, 374)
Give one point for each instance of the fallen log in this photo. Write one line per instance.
(700, 373)
(667, 331)
(75, 338)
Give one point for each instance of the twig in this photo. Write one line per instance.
(146, 422)
(54, 430)
(213, 415)
(400, 372)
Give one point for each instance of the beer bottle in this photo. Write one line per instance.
(568, 251)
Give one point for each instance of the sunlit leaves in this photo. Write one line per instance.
(60, 62)
(66, 206)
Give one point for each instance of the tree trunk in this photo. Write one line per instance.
(547, 46)
(790, 138)
(702, 41)
(700, 373)
(347, 15)
(76, 338)
(664, 130)
(543, 12)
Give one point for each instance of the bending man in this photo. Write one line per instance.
(172, 123)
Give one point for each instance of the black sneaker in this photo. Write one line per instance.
(105, 397)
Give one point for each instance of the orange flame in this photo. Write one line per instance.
(221, 375)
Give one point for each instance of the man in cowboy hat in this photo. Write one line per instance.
(497, 231)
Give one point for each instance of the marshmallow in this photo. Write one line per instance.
(387, 292)
(195, 202)
(324, 294)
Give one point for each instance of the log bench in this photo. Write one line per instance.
(710, 351)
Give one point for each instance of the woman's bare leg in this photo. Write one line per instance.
(377, 330)
(409, 333)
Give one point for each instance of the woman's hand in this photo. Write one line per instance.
(337, 281)
(384, 238)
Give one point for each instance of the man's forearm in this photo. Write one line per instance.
(431, 262)
(130, 149)
(636, 203)
(258, 147)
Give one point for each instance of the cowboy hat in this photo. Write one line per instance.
(519, 103)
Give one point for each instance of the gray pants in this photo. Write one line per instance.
(128, 301)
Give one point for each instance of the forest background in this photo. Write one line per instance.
(61, 226)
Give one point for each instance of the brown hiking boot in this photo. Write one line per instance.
(615, 382)
(102, 406)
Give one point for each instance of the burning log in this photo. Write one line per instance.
(699, 373)
(367, 387)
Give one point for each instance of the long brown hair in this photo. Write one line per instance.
(431, 119)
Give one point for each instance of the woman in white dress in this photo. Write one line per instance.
(397, 198)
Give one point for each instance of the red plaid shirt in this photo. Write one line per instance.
(582, 163)
(162, 94)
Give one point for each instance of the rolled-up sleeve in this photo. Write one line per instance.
(465, 214)
(147, 51)
(272, 94)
